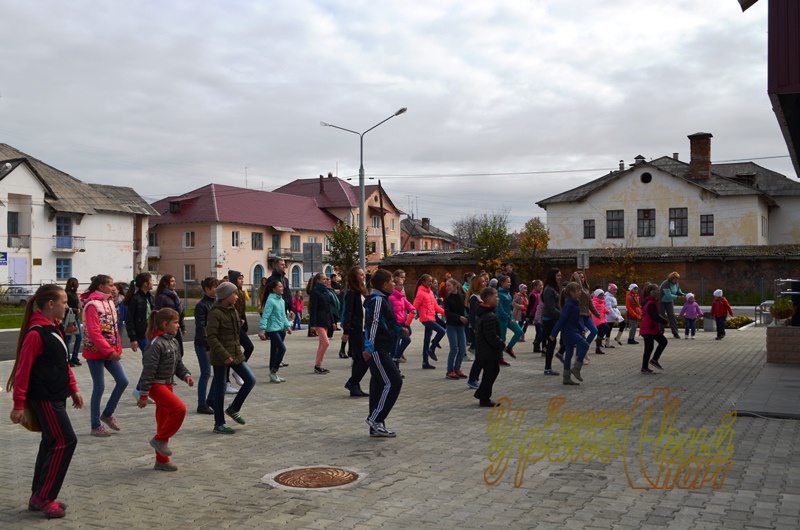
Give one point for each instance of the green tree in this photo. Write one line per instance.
(491, 245)
(343, 255)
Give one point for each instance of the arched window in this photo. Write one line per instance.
(258, 273)
(328, 271)
(296, 275)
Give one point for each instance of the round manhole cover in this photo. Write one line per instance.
(316, 477)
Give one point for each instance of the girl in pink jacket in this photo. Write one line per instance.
(603, 328)
(691, 310)
(426, 306)
(102, 349)
(404, 314)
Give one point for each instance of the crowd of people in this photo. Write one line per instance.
(484, 316)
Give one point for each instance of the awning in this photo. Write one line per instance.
(283, 228)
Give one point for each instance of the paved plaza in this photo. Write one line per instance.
(432, 474)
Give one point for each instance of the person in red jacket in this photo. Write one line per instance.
(634, 309)
(651, 330)
(427, 307)
(720, 309)
(42, 380)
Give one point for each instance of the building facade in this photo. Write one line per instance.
(419, 234)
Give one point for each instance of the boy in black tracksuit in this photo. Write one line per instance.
(489, 346)
(380, 333)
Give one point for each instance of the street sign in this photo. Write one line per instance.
(583, 259)
(3, 258)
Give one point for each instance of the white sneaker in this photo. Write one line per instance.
(273, 378)
(692, 337)
(281, 379)
(239, 380)
(230, 389)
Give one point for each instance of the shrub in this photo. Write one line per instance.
(738, 322)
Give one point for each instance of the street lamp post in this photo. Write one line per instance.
(362, 234)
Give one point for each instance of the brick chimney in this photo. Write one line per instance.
(321, 184)
(426, 223)
(700, 155)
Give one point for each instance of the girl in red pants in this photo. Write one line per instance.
(161, 362)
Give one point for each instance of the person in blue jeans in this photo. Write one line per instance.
(570, 326)
(427, 307)
(274, 324)
(205, 402)
(455, 315)
(225, 351)
(74, 307)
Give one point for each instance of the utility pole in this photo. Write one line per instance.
(383, 219)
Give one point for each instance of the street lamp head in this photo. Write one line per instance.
(325, 124)
(401, 111)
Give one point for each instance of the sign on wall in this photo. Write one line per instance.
(3, 258)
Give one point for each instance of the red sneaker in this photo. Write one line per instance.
(52, 510)
(461, 374)
(451, 375)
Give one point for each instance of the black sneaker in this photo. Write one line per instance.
(432, 355)
(647, 371)
(321, 370)
(428, 367)
(633, 342)
(489, 403)
(655, 363)
(559, 357)
(205, 409)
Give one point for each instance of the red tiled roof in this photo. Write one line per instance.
(338, 193)
(229, 204)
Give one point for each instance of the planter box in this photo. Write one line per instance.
(782, 344)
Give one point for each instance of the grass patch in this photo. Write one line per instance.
(10, 316)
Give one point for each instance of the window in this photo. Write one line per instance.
(312, 239)
(188, 240)
(392, 247)
(64, 232)
(376, 221)
(276, 242)
(235, 238)
(412, 245)
(373, 247)
(152, 268)
(328, 271)
(588, 229)
(706, 225)
(257, 240)
(174, 207)
(615, 224)
(392, 224)
(13, 223)
(678, 222)
(327, 244)
(295, 243)
(426, 245)
(646, 223)
(188, 273)
(764, 227)
(296, 277)
(63, 269)
(152, 239)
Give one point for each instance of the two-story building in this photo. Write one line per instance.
(420, 234)
(667, 202)
(216, 228)
(340, 198)
(58, 227)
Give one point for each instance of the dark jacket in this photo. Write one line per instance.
(50, 374)
(319, 307)
(287, 290)
(550, 299)
(353, 317)
(453, 309)
(223, 335)
(380, 325)
(474, 301)
(136, 319)
(161, 362)
(201, 320)
(165, 300)
(488, 345)
(241, 303)
(569, 323)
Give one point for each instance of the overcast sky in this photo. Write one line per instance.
(509, 102)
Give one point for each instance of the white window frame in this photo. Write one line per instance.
(188, 272)
(188, 240)
(236, 238)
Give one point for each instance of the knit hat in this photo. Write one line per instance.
(690, 296)
(632, 286)
(718, 292)
(596, 293)
(523, 287)
(493, 282)
(233, 276)
(225, 289)
(612, 286)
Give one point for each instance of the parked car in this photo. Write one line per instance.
(17, 296)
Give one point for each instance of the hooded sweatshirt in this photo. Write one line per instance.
(101, 334)
(600, 304)
(403, 310)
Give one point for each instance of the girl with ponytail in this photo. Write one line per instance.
(41, 381)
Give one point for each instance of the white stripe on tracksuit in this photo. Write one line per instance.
(387, 385)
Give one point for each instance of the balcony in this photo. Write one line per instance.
(280, 253)
(69, 244)
(19, 241)
(154, 252)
